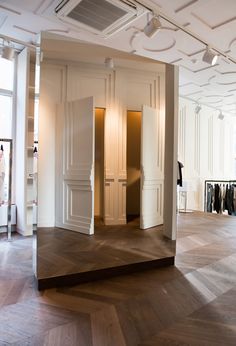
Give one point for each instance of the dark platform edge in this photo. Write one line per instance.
(100, 274)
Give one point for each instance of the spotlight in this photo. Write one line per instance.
(210, 57)
(8, 52)
(197, 108)
(152, 27)
(109, 63)
(221, 116)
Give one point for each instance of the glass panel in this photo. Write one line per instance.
(4, 172)
(6, 73)
(234, 149)
(37, 78)
(5, 116)
(36, 118)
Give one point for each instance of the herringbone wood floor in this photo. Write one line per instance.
(192, 303)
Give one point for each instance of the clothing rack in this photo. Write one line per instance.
(7, 140)
(214, 182)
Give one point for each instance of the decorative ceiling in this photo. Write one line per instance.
(212, 21)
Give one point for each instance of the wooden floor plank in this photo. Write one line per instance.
(192, 303)
(106, 328)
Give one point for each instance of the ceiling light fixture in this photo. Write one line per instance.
(109, 63)
(209, 56)
(152, 27)
(195, 36)
(221, 116)
(152, 8)
(8, 52)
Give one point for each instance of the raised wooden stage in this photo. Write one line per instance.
(66, 257)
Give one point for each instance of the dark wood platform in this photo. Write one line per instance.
(66, 257)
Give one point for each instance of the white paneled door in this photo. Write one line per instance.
(75, 166)
(152, 177)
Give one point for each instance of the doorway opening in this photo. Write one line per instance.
(133, 165)
(99, 166)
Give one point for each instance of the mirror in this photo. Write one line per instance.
(92, 116)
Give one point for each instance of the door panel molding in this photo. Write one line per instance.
(152, 175)
(75, 160)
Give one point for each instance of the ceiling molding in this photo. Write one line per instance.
(214, 26)
(10, 10)
(3, 20)
(155, 50)
(43, 6)
(24, 29)
(183, 7)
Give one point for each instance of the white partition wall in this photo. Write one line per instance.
(24, 144)
(134, 82)
(171, 148)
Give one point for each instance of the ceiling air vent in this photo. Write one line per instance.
(102, 17)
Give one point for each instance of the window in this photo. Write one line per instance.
(6, 73)
(5, 116)
(6, 100)
(6, 96)
(234, 149)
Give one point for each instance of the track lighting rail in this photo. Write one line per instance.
(187, 31)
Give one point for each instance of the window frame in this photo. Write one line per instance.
(12, 95)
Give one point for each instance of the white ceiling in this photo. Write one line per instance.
(214, 21)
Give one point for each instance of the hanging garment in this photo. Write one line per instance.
(2, 175)
(223, 189)
(209, 197)
(35, 176)
(234, 187)
(229, 198)
(179, 171)
(217, 199)
(232, 199)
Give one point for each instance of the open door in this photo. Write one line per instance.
(75, 166)
(152, 178)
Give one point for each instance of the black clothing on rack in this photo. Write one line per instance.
(220, 197)
(217, 199)
(180, 179)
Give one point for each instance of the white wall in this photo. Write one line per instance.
(52, 91)
(205, 148)
(171, 148)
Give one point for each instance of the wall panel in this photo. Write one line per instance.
(205, 145)
(52, 92)
(84, 81)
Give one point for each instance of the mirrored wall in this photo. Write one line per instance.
(88, 113)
